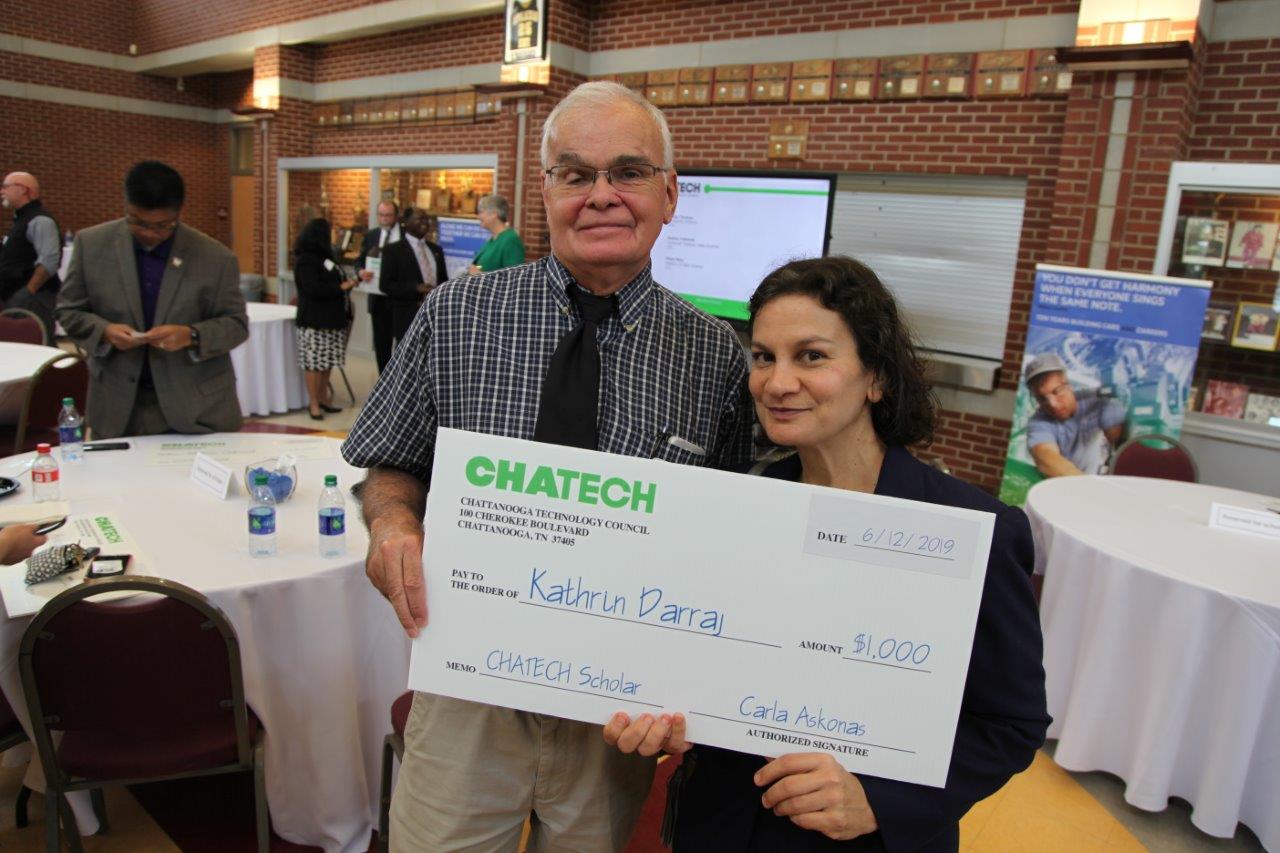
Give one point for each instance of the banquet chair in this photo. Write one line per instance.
(12, 734)
(141, 691)
(20, 326)
(392, 749)
(1140, 457)
(61, 376)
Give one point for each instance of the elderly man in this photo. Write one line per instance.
(1070, 433)
(375, 243)
(581, 348)
(157, 305)
(505, 248)
(31, 253)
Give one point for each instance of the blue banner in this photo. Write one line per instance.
(1109, 356)
(460, 239)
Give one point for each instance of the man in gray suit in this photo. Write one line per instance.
(157, 305)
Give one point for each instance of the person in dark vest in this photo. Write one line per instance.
(31, 253)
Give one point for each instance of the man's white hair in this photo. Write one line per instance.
(599, 94)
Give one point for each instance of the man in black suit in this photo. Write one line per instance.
(411, 268)
(375, 240)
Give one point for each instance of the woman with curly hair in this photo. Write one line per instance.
(835, 376)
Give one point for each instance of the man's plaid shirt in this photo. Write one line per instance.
(476, 354)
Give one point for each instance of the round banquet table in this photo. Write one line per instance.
(268, 379)
(18, 363)
(323, 655)
(1162, 645)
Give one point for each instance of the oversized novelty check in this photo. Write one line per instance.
(778, 617)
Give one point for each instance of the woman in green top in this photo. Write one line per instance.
(504, 248)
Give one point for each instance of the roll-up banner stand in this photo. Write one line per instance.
(1109, 356)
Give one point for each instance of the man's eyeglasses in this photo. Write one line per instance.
(578, 180)
(161, 227)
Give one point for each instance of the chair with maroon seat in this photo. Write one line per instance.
(20, 326)
(1141, 456)
(65, 375)
(392, 749)
(142, 691)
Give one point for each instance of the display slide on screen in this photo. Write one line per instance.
(729, 231)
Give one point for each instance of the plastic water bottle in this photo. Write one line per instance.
(70, 432)
(262, 519)
(333, 519)
(44, 475)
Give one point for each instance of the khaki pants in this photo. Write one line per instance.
(472, 773)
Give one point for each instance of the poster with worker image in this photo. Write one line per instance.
(1109, 356)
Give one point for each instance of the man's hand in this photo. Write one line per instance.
(474, 270)
(347, 285)
(817, 793)
(169, 337)
(123, 337)
(17, 541)
(394, 566)
(647, 734)
(366, 275)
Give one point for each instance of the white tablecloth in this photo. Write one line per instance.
(268, 379)
(323, 655)
(18, 363)
(1162, 646)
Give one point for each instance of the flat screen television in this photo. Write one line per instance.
(732, 228)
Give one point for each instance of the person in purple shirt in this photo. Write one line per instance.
(157, 306)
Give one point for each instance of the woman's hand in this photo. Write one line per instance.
(817, 793)
(18, 541)
(647, 734)
(347, 285)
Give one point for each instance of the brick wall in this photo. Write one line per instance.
(81, 155)
(618, 24)
(1237, 114)
(106, 25)
(465, 42)
(164, 24)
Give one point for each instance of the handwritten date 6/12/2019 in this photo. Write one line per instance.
(907, 541)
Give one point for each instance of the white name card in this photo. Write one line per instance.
(211, 475)
(1239, 519)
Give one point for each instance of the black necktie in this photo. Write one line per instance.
(570, 393)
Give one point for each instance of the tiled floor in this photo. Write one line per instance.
(1044, 808)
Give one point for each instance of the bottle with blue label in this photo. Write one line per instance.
(262, 519)
(333, 519)
(70, 432)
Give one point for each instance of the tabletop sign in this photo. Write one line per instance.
(1239, 519)
(212, 476)
(901, 76)
(788, 139)
(855, 80)
(1048, 75)
(811, 81)
(769, 83)
(660, 87)
(1001, 74)
(948, 75)
(732, 84)
(694, 89)
(576, 583)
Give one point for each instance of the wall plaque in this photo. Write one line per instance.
(427, 105)
(326, 115)
(811, 80)
(947, 75)
(660, 87)
(487, 105)
(1048, 75)
(855, 80)
(526, 31)
(769, 82)
(901, 76)
(362, 112)
(633, 80)
(694, 88)
(347, 113)
(788, 139)
(464, 105)
(732, 84)
(1001, 74)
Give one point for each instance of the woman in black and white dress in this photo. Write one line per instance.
(323, 310)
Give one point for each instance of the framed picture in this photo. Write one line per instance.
(1225, 399)
(1204, 242)
(1252, 244)
(1217, 321)
(1257, 326)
